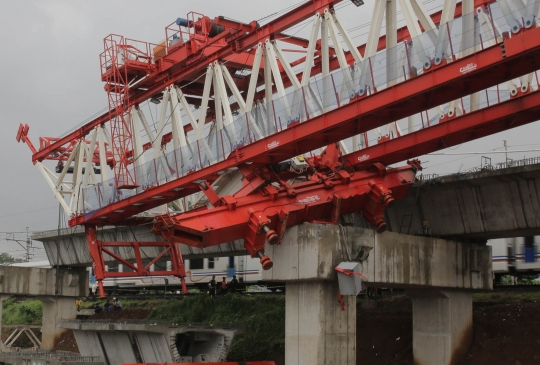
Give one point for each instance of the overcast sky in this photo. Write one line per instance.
(50, 79)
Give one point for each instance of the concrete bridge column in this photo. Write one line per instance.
(55, 308)
(317, 330)
(442, 326)
(439, 271)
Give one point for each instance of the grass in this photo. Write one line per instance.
(22, 312)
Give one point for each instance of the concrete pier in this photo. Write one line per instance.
(442, 326)
(440, 272)
(56, 289)
(317, 331)
(55, 308)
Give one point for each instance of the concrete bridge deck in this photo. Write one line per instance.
(477, 206)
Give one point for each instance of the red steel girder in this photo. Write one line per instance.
(512, 113)
(403, 34)
(264, 216)
(514, 57)
(175, 74)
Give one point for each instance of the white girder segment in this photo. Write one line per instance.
(219, 118)
(224, 98)
(415, 31)
(311, 50)
(348, 80)
(102, 154)
(468, 35)
(391, 56)
(299, 95)
(77, 177)
(193, 121)
(375, 29)
(278, 82)
(268, 93)
(424, 18)
(371, 46)
(487, 25)
(179, 137)
(203, 110)
(254, 77)
(241, 103)
(520, 8)
(52, 185)
(325, 63)
(391, 42)
(138, 150)
(347, 39)
(354, 52)
(65, 187)
(90, 175)
(67, 164)
(514, 24)
(443, 36)
(156, 141)
(533, 6)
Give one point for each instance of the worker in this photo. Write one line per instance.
(78, 304)
(94, 290)
(212, 286)
(233, 285)
(224, 286)
(116, 304)
(107, 306)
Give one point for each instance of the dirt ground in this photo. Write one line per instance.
(504, 334)
(67, 342)
(123, 314)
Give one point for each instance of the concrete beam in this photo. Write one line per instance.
(26, 281)
(74, 247)
(312, 251)
(478, 206)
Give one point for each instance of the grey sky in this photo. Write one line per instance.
(50, 79)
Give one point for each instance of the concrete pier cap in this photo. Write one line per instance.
(439, 275)
(312, 252)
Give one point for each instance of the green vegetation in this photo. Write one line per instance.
(6, 258)
(263, 314)
(22, 312)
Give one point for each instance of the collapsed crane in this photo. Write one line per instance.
(296, 133)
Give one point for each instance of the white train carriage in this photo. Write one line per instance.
(199, 272)
(516, 255)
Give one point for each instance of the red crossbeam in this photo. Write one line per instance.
(264, 216)
(98, 248)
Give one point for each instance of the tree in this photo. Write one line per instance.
(7, 259)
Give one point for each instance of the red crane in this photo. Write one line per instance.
(233, 99)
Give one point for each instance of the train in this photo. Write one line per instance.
(515, 256)
(199, 271)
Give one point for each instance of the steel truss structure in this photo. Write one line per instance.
(250, 140)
